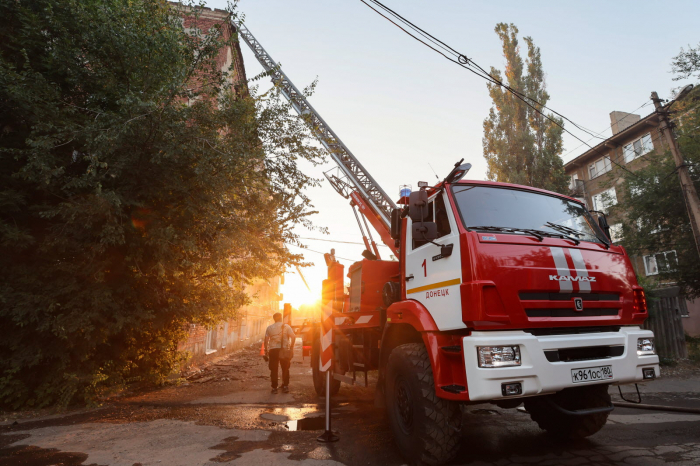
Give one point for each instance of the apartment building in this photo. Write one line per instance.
(633, 137)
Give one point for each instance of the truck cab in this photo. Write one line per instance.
(544, 299)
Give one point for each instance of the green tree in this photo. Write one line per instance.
(652, 208)
(139, 192)
(520, 144)
(686, 63)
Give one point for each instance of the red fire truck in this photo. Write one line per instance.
(501, 294)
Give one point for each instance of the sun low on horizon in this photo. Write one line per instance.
(296, 293)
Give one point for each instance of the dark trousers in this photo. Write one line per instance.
(274, 364)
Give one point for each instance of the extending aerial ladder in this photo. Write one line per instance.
(350, 179)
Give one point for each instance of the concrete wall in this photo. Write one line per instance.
(619, 121)
(691, 324)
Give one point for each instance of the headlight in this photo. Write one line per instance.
(645, 346)
(498, 356)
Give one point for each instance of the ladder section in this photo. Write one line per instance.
(351, 168)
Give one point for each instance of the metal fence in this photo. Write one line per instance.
(665, 321)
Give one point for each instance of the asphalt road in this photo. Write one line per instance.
(226, 414)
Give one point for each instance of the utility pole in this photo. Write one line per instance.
(687, 187)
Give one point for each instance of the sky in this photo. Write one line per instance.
(404, 111)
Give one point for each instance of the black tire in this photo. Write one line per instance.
(566, 426)
(426, 428)
(319, 377)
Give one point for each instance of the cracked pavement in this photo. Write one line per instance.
(226, 414)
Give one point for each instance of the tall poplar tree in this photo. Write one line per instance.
(520, 144)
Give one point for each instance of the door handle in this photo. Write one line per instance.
(410, 277)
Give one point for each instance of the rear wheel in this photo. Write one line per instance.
(318, 376)
(426, 428)
(562, 425)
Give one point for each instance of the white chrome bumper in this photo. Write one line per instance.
(539, 376)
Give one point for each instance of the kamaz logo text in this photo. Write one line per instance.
(569, 278)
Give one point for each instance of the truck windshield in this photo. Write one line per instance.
(523, 211)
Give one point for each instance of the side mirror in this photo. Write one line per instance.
(396, 223)
(458, 172)
(418, 206)
(425, 231)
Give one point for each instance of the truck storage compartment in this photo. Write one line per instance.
(367, 279)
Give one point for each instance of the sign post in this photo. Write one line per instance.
(326, 359)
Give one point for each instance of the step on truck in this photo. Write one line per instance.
(500, 294)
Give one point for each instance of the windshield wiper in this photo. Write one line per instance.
(564, 229)
(562, 235)
(536, 233)
(539, 234)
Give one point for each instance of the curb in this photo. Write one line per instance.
(677, 409)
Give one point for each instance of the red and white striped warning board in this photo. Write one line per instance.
(326, 327)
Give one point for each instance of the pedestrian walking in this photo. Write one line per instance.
(279, 349)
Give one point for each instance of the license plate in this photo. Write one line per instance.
(591, 374)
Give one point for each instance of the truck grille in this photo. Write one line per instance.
(570, 312)
(588, 353)
(568, 296)
(561, 305)
(570, 330)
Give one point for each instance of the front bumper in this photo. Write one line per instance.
(539, 376)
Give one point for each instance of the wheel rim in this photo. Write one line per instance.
(404, 405)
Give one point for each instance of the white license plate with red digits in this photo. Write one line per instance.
(591, 374)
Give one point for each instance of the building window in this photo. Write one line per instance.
(616, 232)
(602, 201)
(638, 148)
(660, 262)
(572, 182)
(210, 344)
(599, 167)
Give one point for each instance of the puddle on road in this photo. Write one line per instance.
(308, 423)
(307, 417)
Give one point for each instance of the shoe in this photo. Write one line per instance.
(273, 391)
(285, 389)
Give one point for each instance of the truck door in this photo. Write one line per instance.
(436, 279)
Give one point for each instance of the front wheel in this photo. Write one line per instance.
(566, 426)
(426, 428)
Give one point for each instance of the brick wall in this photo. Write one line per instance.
(229, 56)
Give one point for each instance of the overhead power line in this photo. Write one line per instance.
(322, 253)
(336, 241)
(464, 60)
(467, 63)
